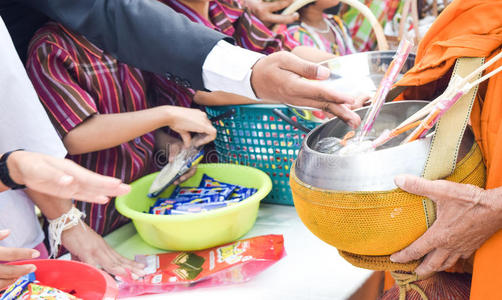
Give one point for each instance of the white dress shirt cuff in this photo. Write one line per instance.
(228, 68)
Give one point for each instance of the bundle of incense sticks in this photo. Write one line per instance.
(428, 116)
(388, 80)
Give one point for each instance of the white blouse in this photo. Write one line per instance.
(23, 124)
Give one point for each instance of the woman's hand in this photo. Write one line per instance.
(9, 274)
(87, 246)
(187, 120)
(168, 147)
(62, 178)
(467, 216)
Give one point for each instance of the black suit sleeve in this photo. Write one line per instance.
(143, 33)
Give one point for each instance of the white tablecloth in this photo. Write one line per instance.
(312, 270)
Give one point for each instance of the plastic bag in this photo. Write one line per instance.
(228, 264)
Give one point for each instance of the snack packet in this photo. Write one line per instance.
(197, 208)
(223, 192)
(208, 182)
(241, 193)
(231, 263)
(40, 292)
(17, 288)
(26, 288)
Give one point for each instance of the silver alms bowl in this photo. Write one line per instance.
(374, 171)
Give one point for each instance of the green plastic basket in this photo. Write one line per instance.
(255, 136)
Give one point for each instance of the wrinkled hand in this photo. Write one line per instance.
(9, 274)
(281, 76)
(62, 178)
(87, 246)
(265, 11)
(466, 217)
(186, 120)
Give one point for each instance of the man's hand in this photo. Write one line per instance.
(281, 76)
(87, 246)
(265, 11)
(467, 216)
(9, 274)
(62, 178)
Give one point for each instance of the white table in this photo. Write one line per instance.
(312, 270)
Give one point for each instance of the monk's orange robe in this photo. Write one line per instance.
(469, 28)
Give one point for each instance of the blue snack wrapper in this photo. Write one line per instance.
(222, 192)
(160, 210)
(18, 287)
(242, 193)
(197, 208)
(209, 182)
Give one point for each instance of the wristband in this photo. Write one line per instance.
(4, 172)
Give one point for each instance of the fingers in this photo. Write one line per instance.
(450, 262)
(439, 189)
(208, 137)
(89, 186)
(187, 175)
(4, 233)
(417, 249)
(14, 254)
(318, 95)
(339, 110)
(186, 137)
(9, 272)
(303, 68)
(432, 263)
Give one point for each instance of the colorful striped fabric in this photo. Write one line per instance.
(76, 80)
(360, 28)
(230, 18)
(306, 37)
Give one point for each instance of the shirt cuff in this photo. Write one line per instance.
(228, 68)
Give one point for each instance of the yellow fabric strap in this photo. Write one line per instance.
(405, 283)
(450, 129)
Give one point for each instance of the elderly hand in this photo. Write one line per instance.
(62, 178)
(282, 76)
(9, 274)
(265, 11)
(466, 217)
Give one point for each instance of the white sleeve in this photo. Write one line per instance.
(24, 122)
(228, 68)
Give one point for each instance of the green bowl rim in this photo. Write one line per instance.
(146, 217)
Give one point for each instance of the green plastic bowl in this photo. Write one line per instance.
(200, 230)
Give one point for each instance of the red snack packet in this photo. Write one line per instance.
(231, 263)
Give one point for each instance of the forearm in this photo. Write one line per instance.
(219, 98)
(312, 54)
(146, 34)
(106, 131)
(50, 206)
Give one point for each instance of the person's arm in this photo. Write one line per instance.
(151, 36)
(59, 177)
(116, 129)
(146, 34)
(82, 242)
(223, 98)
